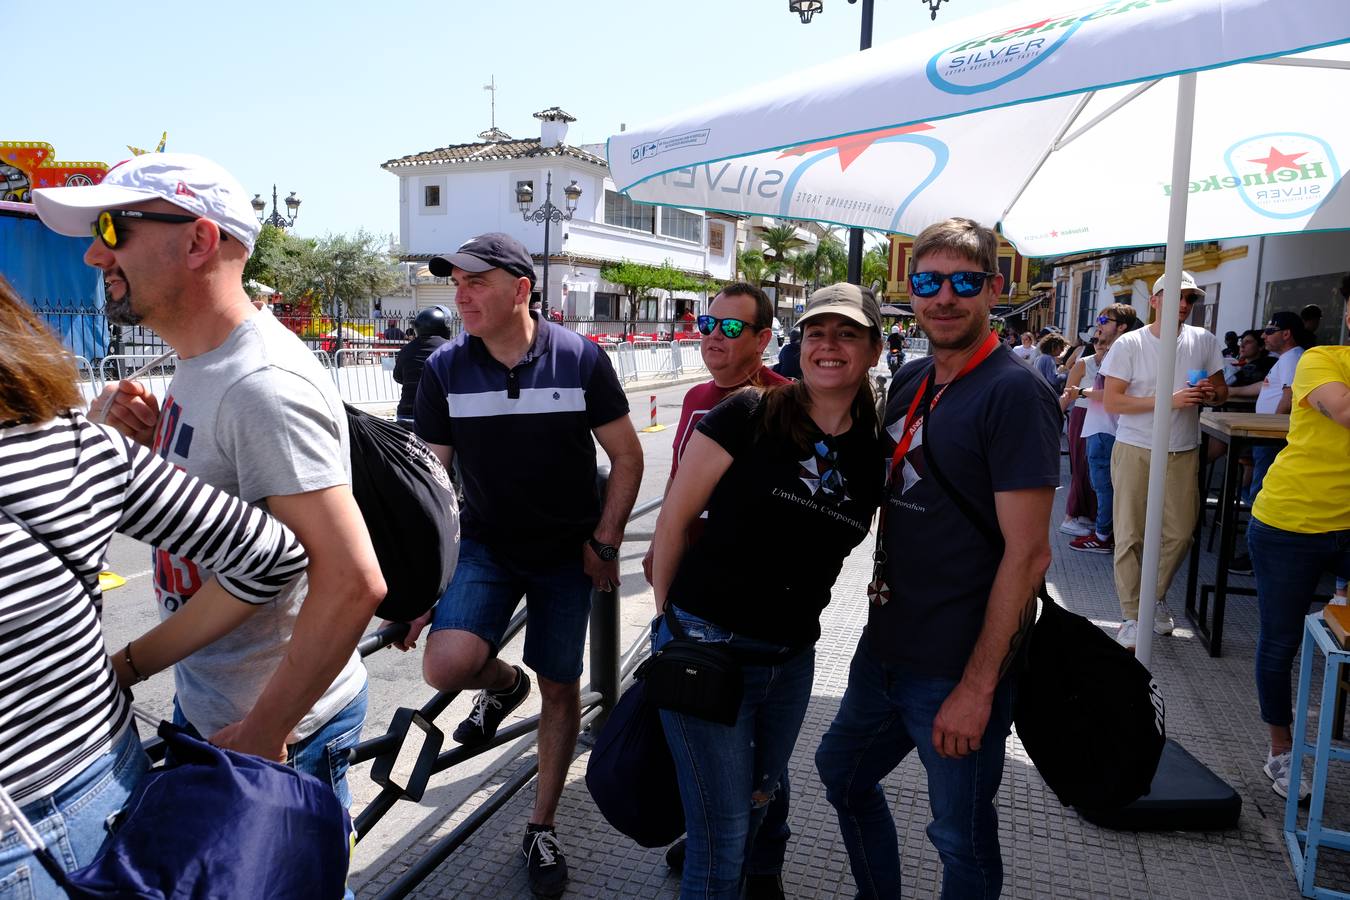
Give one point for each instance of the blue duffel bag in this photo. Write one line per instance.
(216, 823)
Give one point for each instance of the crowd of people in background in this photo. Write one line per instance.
(241, 477)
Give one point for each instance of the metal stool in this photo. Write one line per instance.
(1304, 845)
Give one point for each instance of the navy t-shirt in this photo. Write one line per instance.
(996, 429)
(522, 436)
(780, 524)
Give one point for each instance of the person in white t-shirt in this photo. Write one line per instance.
(1131, 382)
(1027, 349)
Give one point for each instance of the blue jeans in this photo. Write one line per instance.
(1099, 473)
(885, 714)
(73, 822)
(1288, 567)
(720, 767)
(324, 753)
(484, 593)
(1262, 457)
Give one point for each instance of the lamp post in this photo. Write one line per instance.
(547, 214)
(806, 9)
(276, 218)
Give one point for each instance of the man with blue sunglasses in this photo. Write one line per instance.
(948, 607)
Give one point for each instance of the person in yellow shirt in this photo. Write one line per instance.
(1300, 528)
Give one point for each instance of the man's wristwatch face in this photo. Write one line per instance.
(606, 552)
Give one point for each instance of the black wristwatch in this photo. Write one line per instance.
(606, 552)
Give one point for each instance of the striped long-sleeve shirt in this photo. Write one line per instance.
(75, 483)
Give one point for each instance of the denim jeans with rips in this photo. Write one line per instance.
(720, 767)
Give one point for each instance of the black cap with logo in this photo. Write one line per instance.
(487, 251)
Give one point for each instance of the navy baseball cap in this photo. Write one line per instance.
(487, 251)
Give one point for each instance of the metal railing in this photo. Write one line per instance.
(365, 375)
(414, 738)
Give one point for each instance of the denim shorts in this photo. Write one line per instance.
(73, 822)
(484, 593)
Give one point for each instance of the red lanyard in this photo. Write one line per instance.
(914, 420)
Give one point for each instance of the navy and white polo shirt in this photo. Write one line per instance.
(522, 435)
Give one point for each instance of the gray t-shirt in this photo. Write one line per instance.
(257, 417)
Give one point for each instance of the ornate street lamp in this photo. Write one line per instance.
(546, 215)
(276, 218)
(806, 9)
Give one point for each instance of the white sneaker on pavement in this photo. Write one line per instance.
(1162, 619)
(1128, 635)
(1074, 527)
(1278, 768)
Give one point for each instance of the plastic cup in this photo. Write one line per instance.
(1195, 376)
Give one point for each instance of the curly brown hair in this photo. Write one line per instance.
(37, 375)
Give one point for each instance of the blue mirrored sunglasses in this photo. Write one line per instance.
(964, 284)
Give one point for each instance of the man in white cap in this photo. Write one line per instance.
(249, 411)
(1131, 373)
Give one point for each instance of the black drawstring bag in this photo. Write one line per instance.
(410, 509)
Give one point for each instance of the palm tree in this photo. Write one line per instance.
(876, 267)
(750, 263)
(778, 240)
(831, 259)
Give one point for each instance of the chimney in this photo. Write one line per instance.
(553, 126)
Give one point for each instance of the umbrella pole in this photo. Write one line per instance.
(1167, 363)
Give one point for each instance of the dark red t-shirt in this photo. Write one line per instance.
(704, 397)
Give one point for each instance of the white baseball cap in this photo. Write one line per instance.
(1187, 283)
(184, 179)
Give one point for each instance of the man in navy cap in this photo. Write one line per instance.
(518, 399)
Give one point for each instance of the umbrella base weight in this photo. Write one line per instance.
(1185, 796)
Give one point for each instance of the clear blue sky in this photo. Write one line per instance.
(314, 96)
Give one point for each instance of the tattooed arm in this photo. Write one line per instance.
(1024, 520)
(1331, 400)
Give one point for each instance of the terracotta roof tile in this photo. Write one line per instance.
(494, 150)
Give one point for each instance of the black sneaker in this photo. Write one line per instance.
(544, 856)
(1241, 565)
(764, 887)
(675, 857)
(489, 708)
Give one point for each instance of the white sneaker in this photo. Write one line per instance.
(1075, 528)
(1128, 635)
(1162, 619)
(1277, 770)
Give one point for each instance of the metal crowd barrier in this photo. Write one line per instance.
(655, 359)
(409, 753)
(120, 365)
(366, 375)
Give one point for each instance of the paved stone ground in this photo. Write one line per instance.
(1048, 850)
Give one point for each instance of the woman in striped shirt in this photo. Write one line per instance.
(69, 755)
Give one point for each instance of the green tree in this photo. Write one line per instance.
(258, 269)
(339, 274)
(876, 268)
(642, 279)
(778, 241)
(750, 264)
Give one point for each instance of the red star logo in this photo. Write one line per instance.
(1054, 234)
(1277, 160)
(852, 146)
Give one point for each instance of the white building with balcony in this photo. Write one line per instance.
(449, 194)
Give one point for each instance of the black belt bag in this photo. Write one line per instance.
(698, 679)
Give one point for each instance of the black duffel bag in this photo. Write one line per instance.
(1088, 713)
(411, 512)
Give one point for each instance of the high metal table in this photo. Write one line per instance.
(1241, 432)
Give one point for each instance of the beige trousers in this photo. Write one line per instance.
(1129, 479)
